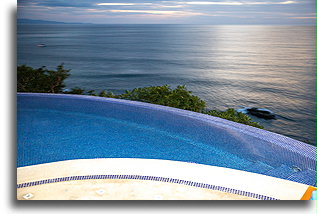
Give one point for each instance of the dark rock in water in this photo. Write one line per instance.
(262, 113)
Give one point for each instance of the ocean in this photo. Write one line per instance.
(232, 66)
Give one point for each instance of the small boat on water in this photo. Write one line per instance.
(41, 45)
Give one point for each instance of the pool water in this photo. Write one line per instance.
(59, 127)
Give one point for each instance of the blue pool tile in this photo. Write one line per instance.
(281, 172)
(306, 177)
(258, 167)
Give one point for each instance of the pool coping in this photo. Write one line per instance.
(221, 179)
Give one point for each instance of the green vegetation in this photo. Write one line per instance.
(164, 95)
(42, 80)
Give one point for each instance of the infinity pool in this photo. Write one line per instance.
(55, 127)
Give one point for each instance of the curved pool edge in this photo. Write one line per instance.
(83, 177)
(280, 140)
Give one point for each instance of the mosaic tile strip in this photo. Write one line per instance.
(148, 178)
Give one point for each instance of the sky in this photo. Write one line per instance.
(231, 12)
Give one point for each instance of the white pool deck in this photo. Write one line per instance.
(246, 185)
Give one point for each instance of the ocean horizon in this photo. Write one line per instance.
(228, 66)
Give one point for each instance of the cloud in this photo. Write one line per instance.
(193, 11)
(236, 3)
(153, 12)
(313, 17)
(170, 6)
(211, 3)
(145, 11)
(161, 4)
(288, 2)
(122, 4)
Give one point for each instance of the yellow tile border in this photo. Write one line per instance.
(307, 195)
